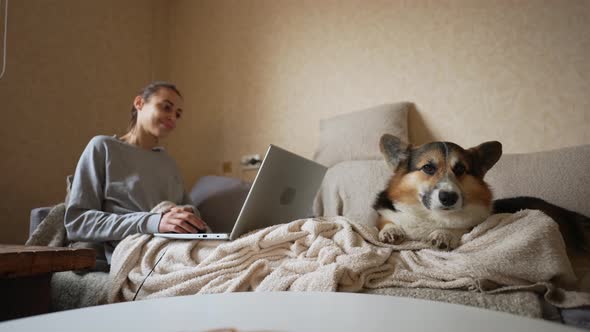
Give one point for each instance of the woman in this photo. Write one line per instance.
(118, 180)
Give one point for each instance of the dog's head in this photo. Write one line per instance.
(441, 180)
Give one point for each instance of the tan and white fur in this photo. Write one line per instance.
(436, 193)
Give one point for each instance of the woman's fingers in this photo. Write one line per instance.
(178, 220)
(193, 220)
(187, 227)
(171, 222)
(179, 229)
(179, 225)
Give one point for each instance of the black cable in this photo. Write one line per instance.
(149, 274)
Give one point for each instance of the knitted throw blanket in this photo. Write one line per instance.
(522, 251)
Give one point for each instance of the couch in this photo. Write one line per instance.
(357, 171)
(348, 146)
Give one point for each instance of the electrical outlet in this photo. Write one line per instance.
(250, 161)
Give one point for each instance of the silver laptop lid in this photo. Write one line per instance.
(283, 191)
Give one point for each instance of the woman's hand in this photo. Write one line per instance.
(181, 220)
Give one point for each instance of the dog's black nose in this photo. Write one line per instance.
(447, 198)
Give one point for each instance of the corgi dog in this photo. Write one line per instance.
(437, 193)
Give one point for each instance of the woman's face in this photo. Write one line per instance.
(159, 113)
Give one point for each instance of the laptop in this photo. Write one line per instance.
(283, 191)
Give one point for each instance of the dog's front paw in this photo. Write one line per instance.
(392, 234)
(443, 240)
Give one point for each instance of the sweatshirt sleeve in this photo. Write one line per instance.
(84, 220)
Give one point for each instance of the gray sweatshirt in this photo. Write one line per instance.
(114, 187)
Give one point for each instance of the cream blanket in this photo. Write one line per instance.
(522, 251)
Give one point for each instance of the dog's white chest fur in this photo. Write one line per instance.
(419, 224)
(416, 228)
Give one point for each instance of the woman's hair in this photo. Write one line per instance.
(146, 93)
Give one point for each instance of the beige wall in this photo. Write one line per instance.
(266, 71)
(257, 72)
(73, 68)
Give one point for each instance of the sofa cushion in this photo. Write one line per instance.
(355, 136)
(219, 200)
(37, 216)
(558, 176)
(349, 189)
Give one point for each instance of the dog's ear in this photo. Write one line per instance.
(485, 156)
(393, 149)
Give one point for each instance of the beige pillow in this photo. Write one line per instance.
(350, 188)
(558, 176)
(355, 136)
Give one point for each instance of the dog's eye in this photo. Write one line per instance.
(428, 169)
(459, 169)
